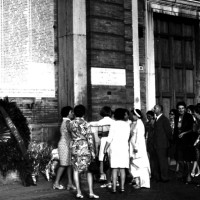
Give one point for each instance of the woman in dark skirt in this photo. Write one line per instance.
(184, 135)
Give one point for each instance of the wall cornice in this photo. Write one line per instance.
(186, 8)
(184, 3)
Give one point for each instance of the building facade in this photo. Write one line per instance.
(120, 53)
(172, 55)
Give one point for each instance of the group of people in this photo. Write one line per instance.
(76, 150)
(121, 137)
(135, 147)
(181, 145)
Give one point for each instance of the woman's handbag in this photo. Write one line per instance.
(94, 166)
(106, 163)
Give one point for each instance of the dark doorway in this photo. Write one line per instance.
(175, 60)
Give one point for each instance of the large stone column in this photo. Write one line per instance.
(136, 67)
(79, 52)
(72, 52)
(150, 61)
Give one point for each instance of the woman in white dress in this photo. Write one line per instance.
(139, 162)
(103, 131)
(118, 142)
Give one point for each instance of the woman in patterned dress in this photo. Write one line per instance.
(83, 149)
(64, 149)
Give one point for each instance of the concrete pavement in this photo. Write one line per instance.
(172, 190)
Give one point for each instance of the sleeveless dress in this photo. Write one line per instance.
(118, 138)
(64, 143)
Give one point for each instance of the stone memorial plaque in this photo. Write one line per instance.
(27, 48)
(108, 76)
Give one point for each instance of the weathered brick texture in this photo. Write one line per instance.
(109, 43)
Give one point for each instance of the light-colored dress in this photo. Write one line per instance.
(139, 162)
(64, 143)
(104, 123)
(94, 129)
(118, 138)
(82, 145)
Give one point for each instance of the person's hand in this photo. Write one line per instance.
(181, 135)
(93, 155)
(196, 142)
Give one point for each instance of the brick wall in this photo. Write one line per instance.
(109, 45)
(43, 112)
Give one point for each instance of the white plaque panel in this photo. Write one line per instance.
(27, 48)
(108, 76)
(36, 81)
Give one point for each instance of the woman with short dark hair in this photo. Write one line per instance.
(83, 149)
(64, 149)
(196, 115)
(183, 132)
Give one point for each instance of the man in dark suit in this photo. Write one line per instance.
(161, 141)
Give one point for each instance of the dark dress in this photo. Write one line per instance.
(197, 144)
(172, 145)
(185, 150)
(149, 131)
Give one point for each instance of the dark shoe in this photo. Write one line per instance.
(136, 186)
(165, 181)
(93, 196)
(188, 182)
(113, 191)
(122, 190)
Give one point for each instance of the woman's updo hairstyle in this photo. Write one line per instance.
(137, 113)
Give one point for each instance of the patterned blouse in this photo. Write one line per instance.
(82, 145)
